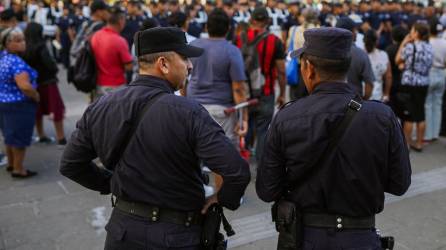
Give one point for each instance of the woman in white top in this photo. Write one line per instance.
(381, 67)
(437, 79)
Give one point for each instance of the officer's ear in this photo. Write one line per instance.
(163, 65)
(309, 70)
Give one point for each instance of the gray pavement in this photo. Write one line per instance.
(50, 212)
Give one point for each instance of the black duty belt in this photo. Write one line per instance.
(157, 214)
(338, 221)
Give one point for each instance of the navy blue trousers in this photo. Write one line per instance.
(330, 239)
(130, 232)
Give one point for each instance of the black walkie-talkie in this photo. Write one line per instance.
(387, 242)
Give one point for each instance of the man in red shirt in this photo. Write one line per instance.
(271, 54)
(111, 53)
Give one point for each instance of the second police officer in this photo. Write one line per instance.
(151, 143)
(329, 158)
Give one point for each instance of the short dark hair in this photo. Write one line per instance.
(423, 30)
(177, 19)
(218, 23)
(98, 5)
(399, 32)
(7, 15)
(435, 26)
(149, 23)
(116, 14)
(329, 69)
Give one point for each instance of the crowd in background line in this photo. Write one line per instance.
(399, 57)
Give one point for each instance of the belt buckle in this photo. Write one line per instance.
(355, 105)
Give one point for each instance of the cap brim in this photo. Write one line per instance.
(190, 51)
(297, 53)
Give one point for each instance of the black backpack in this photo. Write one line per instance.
(256, 78)
(84, 71)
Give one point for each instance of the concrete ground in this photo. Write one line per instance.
(50, 212)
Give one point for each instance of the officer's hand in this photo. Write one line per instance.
(280, 101)
(209, 201)
(243, 130)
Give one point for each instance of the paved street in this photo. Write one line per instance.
(50, 212)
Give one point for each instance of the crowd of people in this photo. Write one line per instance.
(398, 57)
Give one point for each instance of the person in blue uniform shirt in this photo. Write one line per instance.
(66, 25)
(156, 178)
(344, 192)
(134, 21)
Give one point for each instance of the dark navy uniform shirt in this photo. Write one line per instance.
(161, 164)
(372, 158)
(376, 18)
(132, 25)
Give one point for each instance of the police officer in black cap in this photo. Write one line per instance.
(151, 143)
(332, 155)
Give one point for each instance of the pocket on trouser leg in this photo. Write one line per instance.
(115, 236)
(183, 241)
(118, 238)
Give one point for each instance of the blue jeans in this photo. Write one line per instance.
(433, 105)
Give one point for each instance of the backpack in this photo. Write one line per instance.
(84, 69)
(253, 69)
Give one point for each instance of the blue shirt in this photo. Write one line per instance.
(132, 25)
(10, 66)
(214, 71)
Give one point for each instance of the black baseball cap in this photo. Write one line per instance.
(98, 5)
(164, 39)
(329, 43)
(260, 14)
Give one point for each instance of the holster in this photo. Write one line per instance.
(387, 242)
(288, 219)
(211, 238)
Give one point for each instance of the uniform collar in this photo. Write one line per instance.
(333, 88)
(152, 81)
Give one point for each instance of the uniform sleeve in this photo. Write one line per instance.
(367, 71)
(124, 53)
(399, 163)
(217, 152)
(271, 174)
(237, 67)
(76, 163)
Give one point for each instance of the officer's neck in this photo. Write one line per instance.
(152, 72)
(328, 80)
